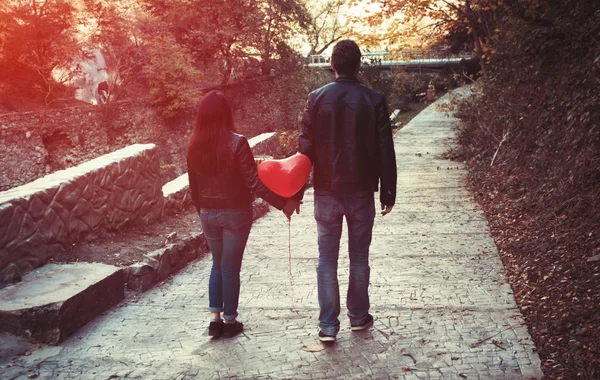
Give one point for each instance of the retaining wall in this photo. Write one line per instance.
(41, 142)
(47, 216)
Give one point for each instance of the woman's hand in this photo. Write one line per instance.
(290, 206)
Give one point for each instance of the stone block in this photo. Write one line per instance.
(140, 277)
(53, 302)
(177, 253)
(177, 195)
(164, 268)
(161, 263)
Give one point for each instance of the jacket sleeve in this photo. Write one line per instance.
(250, 175)
(193, 183)
(306, 140)
(387, 155)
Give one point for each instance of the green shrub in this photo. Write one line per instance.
(171, 76)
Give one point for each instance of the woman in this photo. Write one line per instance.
(223, 178)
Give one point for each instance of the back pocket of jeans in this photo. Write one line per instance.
(327, 209)
(362, 208)
(239, 219)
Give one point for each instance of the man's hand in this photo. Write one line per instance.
(290, 206)
(386, 209)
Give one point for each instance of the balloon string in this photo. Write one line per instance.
(294, 308)
(290, 251)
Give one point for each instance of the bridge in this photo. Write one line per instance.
(427, 60)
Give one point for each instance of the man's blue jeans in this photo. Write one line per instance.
(359, 210)
(226, 231)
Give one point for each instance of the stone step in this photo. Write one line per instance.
(54, 301)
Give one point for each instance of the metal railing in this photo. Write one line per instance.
(384, 58)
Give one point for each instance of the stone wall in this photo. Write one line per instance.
(38, 143)
(35, 144)
(266, 144)
(177, 195)
(46, 216)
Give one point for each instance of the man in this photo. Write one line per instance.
(347, 135)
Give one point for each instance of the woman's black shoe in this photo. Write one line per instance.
(232, 329)
(215, 328)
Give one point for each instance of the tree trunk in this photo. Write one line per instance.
(226, 76)
(475, 30)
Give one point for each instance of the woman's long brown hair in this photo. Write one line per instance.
(208, 152)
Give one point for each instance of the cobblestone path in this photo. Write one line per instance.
(442, 305)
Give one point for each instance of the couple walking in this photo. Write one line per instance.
(346, 133)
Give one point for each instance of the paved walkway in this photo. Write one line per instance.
(443, 308)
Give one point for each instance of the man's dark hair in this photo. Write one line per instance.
(345, 57)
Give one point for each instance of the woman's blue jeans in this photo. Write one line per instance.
(226, 231)
(359, 210)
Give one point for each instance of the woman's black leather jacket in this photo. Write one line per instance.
(234, 185)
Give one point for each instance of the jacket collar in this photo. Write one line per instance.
(346, 78)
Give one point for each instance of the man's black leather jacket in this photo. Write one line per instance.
(347, 135)
(233, 186)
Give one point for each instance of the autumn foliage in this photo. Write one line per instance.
(35, 38)
(531, 138)
(162, 50)
(530, 135)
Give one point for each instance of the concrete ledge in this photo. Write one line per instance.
(255, 141)
(53, 302)
(177, 195)
(266, 144)
(161, 263)
(176, 254)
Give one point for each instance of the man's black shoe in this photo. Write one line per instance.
(215, 328)
(326, 338)
(232, 329)
(366, 323)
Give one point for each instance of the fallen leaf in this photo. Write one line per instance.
(313, 348)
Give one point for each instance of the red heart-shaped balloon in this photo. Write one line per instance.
(286, 176)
